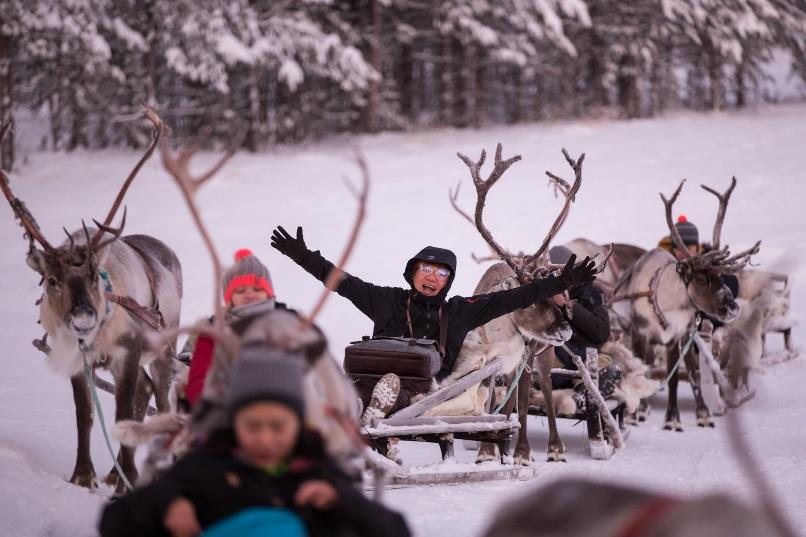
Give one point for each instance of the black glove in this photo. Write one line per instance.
(572, 276)
(288, 245)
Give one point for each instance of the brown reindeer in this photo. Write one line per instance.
(103, 295)
(671, 292)
(527, 333)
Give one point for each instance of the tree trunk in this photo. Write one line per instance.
(627, 83)
(457, 67)
(479, 87)
(714, 79)
(6, 102)
(741, 96)
(517, 98)
(405, 85)
(373, 89)
(446, 91)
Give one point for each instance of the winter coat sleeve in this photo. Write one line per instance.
(591, 319)
(481, 309)
(367, 297)
(199, 365)
(363, 516)
(142, 511)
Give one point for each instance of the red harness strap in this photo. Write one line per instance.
(646, 515)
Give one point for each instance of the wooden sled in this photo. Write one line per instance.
(599, 442)
(409, 424)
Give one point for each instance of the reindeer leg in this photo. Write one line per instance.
(161, 371)
(643, 350)
(672, 422)
(130, 389)
(523, 451)
(83, 472)
(703, 414)
(556, 450)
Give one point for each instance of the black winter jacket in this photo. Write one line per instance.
(220, 485)
(589, 320)
(386, 306)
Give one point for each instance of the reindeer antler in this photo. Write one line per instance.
(674, 234)
(178, 166)
(569, 192)
(723, 206)
(453, 196)
(156, 134)
(739, 261)
(23, 215)
(337, 274)
(482, 189)
(21, 212)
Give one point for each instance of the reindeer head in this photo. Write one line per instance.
(543, 321)
(74, 282)
(702, 273)
(72, 275)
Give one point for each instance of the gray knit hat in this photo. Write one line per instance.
(247, 270)
(264, 373)
(688, 231)
(560, 255)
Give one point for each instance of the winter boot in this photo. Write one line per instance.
(384, 397)
(609, 380)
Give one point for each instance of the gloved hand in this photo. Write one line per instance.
(288, 245)
(572, 276)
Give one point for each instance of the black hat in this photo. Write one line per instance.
(264, 373)
(560, 255)
(688, 231)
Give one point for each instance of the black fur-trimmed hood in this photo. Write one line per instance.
(432, 254)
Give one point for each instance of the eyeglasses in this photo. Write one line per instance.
(441, 273)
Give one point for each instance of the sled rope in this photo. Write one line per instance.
(99, 410)
(514, 384)
(682, 352)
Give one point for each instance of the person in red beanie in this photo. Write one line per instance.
(247, 292)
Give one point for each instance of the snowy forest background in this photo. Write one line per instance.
(277, 71)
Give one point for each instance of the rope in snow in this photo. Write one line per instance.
(99, 410)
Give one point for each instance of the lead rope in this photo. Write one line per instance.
(682, 351)
(88, 374)
(521, 368)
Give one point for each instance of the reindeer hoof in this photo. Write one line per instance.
(113, 480)
(555, 457)
(523, 461)
(485, 457)
(84, 479)
(705, 421)
(673, 425)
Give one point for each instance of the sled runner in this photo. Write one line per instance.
(409, 424)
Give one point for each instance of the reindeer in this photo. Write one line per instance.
(525, 334)
(669, 293)
(103, 295)
(622, 258)
(331, 400)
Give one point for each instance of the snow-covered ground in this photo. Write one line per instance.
(627, 164)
